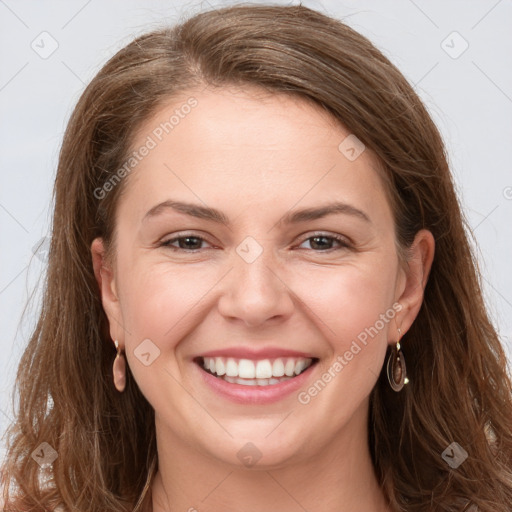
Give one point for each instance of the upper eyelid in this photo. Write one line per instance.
(328, 235)
(184, 235)
(340, 239)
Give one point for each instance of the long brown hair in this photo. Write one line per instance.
(105, 441)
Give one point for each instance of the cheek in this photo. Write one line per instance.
(161, 301)
(161, 305)
(355, 309)
(352, 306)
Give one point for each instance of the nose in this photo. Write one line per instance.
(254, 292)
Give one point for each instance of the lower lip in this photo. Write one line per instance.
(255, 394)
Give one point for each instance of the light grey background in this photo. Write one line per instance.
(469, 96)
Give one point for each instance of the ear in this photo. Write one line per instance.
(414, 279)
(104, 274)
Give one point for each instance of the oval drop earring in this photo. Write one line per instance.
(119, 369)
(396, 370)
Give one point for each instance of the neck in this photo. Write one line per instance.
(340, 477)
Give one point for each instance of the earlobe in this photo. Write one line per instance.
(417, 270)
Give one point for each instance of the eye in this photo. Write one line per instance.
(321, 242)
(186, 243)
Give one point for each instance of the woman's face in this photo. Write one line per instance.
(254, 274)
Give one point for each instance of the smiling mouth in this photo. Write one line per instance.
(248, 372)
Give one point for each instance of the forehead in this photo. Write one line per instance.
(234, 143)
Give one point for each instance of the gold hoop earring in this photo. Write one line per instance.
(396, 370)
(119, 369)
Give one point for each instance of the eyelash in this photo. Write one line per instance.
(344, 244)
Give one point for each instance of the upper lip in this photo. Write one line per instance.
(252, 353)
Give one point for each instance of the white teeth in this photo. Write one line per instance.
(246, 382)
(278, 368)
(219, 369)
(254, 382)
(246, 369)
(264, 370)
(299, 366)
(289, 367)
(231, 368)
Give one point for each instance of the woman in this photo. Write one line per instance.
(259, 280)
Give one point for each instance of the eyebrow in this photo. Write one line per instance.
(292, 217)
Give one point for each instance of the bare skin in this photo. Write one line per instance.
(256, 158)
